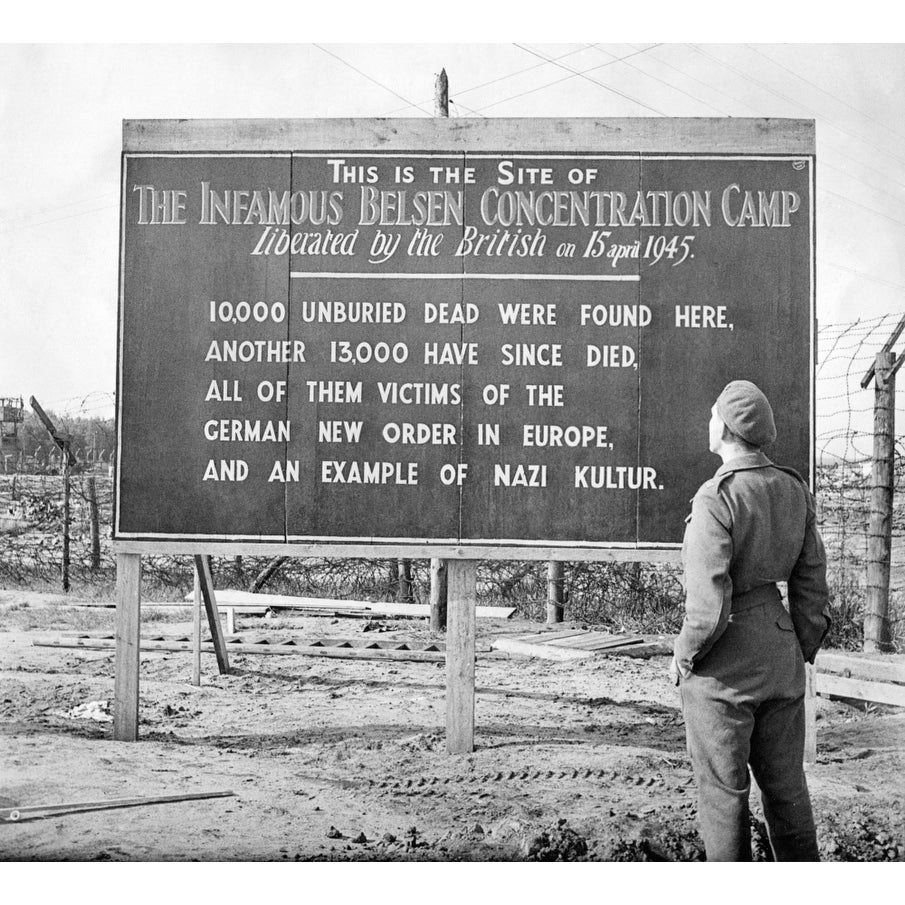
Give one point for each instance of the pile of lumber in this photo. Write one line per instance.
(878, 678)
(578, 644)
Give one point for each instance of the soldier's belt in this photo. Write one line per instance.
(765, 593)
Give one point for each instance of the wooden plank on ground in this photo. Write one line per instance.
(880, 668)
(339, 653)
(544, 651)
(599, 643)
(239, 599)
(547, 637)
(860, 690)
(643, 651)
(567, 644)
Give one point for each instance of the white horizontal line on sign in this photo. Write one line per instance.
(300, 275)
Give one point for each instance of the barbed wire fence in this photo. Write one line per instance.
(623, 596)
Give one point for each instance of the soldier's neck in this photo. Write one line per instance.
(729, 451)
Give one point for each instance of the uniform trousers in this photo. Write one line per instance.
(744, 705)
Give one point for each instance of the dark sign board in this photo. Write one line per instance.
(512, 347)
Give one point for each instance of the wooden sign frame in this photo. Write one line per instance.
(721, 138)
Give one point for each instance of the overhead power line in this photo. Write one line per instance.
(790, 100)
(40, 212)
(859, 161)
(364, 75)
(494, 81)
(586, 77)
(860, 273)
(16, 227)
(661, 81)
(566, 78)
(870, 210)
(824, 91)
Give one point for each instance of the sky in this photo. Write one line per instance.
(62, 106)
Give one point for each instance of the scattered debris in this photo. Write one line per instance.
(557, 843)
(373, 625)
(91, 710)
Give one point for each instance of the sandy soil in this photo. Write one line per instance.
(345, 759)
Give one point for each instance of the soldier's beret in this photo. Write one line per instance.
(747, 412)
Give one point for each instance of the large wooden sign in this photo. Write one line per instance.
(501, 337)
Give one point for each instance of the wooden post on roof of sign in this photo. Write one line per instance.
(460, 657)
(441, 95)
(128, 647)
(877, 635)
(439, 585)
(203, 568)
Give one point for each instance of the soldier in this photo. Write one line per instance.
(739, 658)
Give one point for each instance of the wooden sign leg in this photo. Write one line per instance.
(196, 631)
(203, 571)
(128, 647)
(460, 656)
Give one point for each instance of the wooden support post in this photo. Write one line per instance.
(439, 586)
(64, 461)
(203, 570)
(879, 545)
(196, 630)
(810, 714)
(554, 591)
(128, 647)
(93, 523)
(394, 579)
(460, 657)
(438, 595)
(404, 588)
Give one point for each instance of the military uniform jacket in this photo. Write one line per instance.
(752, 525)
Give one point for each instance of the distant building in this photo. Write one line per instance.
(12, 414)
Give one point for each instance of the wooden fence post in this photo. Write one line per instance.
(438, 595)
(64, 460)
(128, 647)
(554, 592)
(404, 587)
(93, 523)
(879, 549)
(460, 657)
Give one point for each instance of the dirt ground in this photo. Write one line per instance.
(334, 759)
